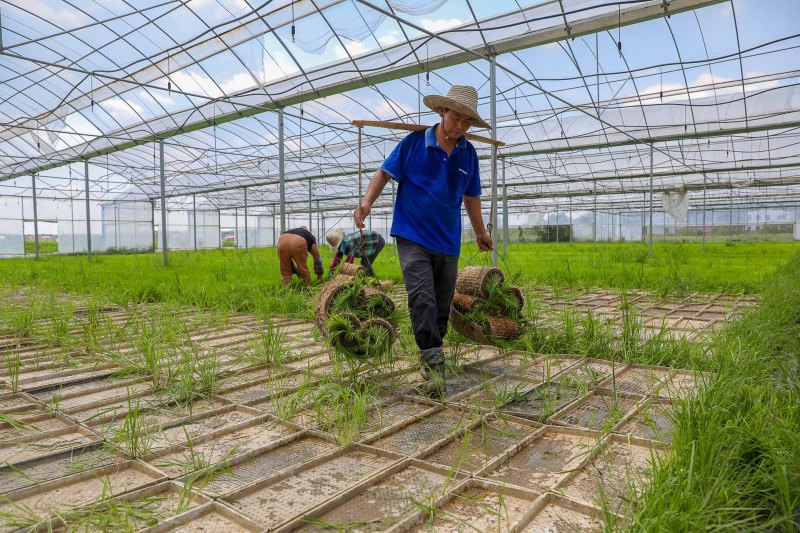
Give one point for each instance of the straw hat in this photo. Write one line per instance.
(461, 99)
(334, 239)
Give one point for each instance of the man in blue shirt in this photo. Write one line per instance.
(436, 169)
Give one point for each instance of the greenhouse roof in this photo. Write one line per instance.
(585, 90)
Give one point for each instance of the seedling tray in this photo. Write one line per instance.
(547, 366)
(41, 445)
(600, 410)
(219, 446)
(291, 493)
(683, 383)
(474, 505)
(36, 423)
(618, 466)
(418, 435)
(543, 459)
(637, 379)
(380, 501)
(544, 401)
(55, 466)
(494, 392)
(17, 402)
(593, 371)
(653, 420)
(250, 467)
(490, 437)
(212, 517)
(554, 512)
(84, 488)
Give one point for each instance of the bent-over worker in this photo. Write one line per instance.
(366, 244)
(294, 245)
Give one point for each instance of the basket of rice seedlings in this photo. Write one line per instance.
(351, 269)
(344, 334)
(474, 280)
(377, 303)
(497, 313)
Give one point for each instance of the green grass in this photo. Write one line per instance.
(736, 448)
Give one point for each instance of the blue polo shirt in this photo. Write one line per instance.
(431, 186)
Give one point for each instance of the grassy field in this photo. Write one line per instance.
(735, 463)
(244, 281)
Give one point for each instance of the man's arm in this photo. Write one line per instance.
(317, 260)
(473, 206)
(374, 189)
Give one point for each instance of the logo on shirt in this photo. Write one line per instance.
(463, 171)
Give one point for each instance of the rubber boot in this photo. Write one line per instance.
(432, 368)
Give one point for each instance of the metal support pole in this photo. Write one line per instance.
(88, 211)
(219, 229)
(594, 215)
(162, 234)
(236, 226)
(153, 222)
(505, 212)
(651, 199)
(704, 211)
(310, 212)
(493, 114)
(194, 220)
(281, 170)
(274, 235)
(246, 242)
(730, 213)
(644, 224)
(570, 219)
(35, 217)
(319, 222)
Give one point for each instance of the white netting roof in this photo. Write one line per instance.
(584, 87)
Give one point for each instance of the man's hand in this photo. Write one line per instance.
(484, 240)
(360, 215)
(318, 268)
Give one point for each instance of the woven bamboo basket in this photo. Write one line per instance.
(474, 280)
(468, 329)
(464, 302)
(353, 346)
(501, 327)
(328, 294)
(377, 298)
(516, 292)
(381, 323)
(350, 269)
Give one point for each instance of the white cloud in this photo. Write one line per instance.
(393, 37)
(438, 25)
(65, 17)
(122, 110)
(157, 96)
(279, 67)
(239, 82)
(354, 47)
(192, 83)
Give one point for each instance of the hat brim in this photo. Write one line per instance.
(435, 101)
(337, 240)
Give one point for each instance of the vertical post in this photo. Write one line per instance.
(493, 116)
(319, 222)
(219, 228)
(644, 203)
(704, 211)
(281, 170)
(274, 235)
(236, 227)
(359, 168)
(194, 220)
(505, 211)
(88, 211)
(163, 232)
(153, 222)
(35, 217)
(594, 215)
(730, 213)
(651, 199)
(310, 212)
(570, 219)
(246, 243)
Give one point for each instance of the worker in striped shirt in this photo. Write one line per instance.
(366, 244)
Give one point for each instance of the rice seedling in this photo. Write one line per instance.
(267, 347)
(13, 365)
(134, 436)
(343, 409)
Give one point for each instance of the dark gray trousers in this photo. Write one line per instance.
(430, 279)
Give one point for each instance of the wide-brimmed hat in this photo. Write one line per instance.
(461, 99)
(334, 238)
